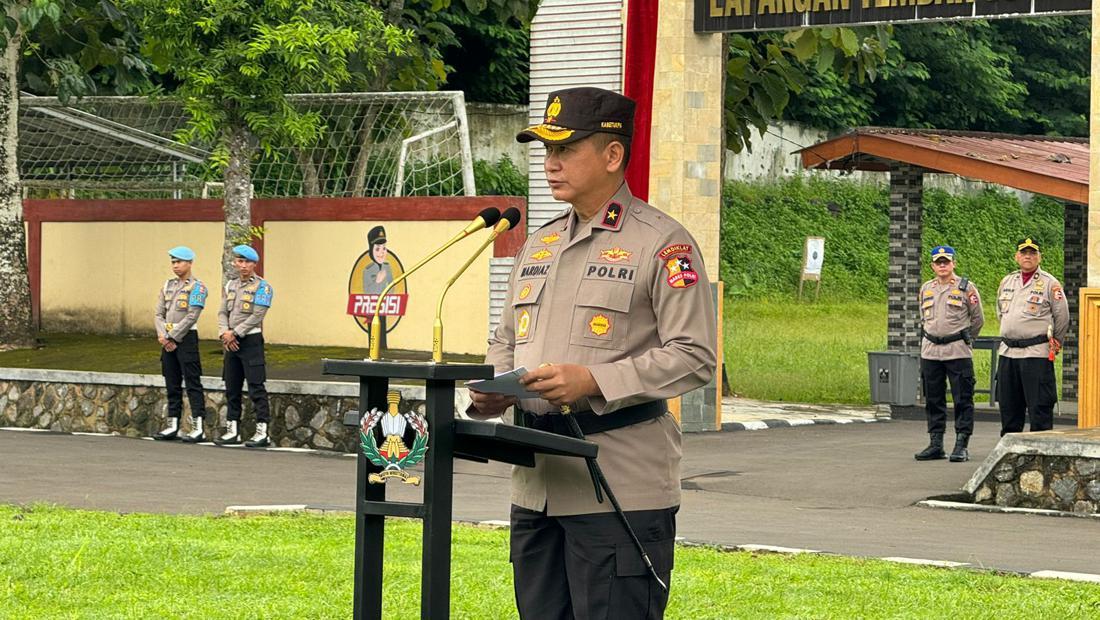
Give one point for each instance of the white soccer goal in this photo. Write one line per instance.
(372, 144)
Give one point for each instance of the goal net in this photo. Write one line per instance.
(371, 145)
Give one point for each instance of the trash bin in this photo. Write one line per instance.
(895, 376)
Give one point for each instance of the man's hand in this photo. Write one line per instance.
(561, 384)
(170, 345)
(162, 340)
(489, 405)
(229, 340)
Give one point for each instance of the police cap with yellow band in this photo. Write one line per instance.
(1027, 243)
(576, 113)
(943, 251)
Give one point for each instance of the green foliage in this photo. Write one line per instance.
(764, 69)
(764, 226)
(73, 48)
(63, 563)
(1025, 76)
(244, 235)
(235, 60)
(500, 179)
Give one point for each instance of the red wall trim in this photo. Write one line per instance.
(640, 63)
(412, 208)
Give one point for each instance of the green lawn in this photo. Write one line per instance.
(61, 563)
(816, 352)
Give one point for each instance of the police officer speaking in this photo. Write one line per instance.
(951, 317)
(611, 307)
(1034, 319)
(245, 302)
(180, 301)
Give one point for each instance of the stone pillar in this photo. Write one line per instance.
(903, 289)
(1073, 280)
(685, 178)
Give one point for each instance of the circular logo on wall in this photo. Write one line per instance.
(372, 272)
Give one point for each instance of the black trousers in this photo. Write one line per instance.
(584, 567)
(1026, 385)
(247, 362)
(935, 375)
(183, 366)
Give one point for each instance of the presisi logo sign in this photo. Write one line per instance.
(373, 271)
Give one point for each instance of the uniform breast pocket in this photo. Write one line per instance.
(1035, 304)
(927, 308)
(601, 317)
(525, 309)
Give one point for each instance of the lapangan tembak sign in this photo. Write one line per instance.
(747, 15)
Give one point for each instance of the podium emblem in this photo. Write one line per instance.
(386, 437)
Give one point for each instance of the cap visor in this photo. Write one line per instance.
(1025, 246)
(551, 134)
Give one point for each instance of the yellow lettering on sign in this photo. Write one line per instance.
(822, 5)
(841, 5)
(786, 6)
(715, 10)
(882, 4)
(765, 4)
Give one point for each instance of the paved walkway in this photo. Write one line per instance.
(850, 489)
(752, 415)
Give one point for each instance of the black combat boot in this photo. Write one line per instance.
(934, 450)
(960, 453)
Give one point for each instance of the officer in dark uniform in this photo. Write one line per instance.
(245, 302)
(180, 301)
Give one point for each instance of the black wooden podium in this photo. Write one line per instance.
(447, 439)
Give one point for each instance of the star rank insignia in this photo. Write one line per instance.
(613, 215)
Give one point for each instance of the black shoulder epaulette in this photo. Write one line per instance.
(965, 282)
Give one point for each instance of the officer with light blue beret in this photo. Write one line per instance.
(180, 301)
(245, 302)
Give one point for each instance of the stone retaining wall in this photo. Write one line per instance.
(303, 414)
(1054, 470)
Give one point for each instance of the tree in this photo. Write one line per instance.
(764, 70)
(69, 47)
(234, 62)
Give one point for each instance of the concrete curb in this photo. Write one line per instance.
(1040, 512)
(747, 548)
(759, 425)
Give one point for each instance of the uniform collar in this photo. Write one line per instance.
(612, 215)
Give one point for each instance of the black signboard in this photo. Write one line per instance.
(747, 15)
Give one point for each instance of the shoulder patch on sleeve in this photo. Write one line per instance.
(677, 262)
(198, 295)
(264, 294)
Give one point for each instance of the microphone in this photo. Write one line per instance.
(486, 218)
(508, 220)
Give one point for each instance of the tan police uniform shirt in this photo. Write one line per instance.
(626, 295)
(244, 305)
(945, 311)
(179, 304)
(1027, 311)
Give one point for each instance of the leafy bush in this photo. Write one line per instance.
(500, 179)
(764, 225)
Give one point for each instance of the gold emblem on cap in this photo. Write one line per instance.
(553, 110)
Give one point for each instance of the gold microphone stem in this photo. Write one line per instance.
(376, 322)
(437, 337)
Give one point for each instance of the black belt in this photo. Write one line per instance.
(947, 339)
(592, 422)
(1024, 342)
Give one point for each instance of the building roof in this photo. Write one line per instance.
(1052, 166)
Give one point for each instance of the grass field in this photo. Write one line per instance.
(60, 563)
(778, 351)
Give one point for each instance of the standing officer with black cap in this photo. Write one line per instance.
(245, 302)
(1034, 319)
(951, 317)
(179, 303)
(611, 306)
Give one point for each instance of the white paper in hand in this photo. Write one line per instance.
(506, 383)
